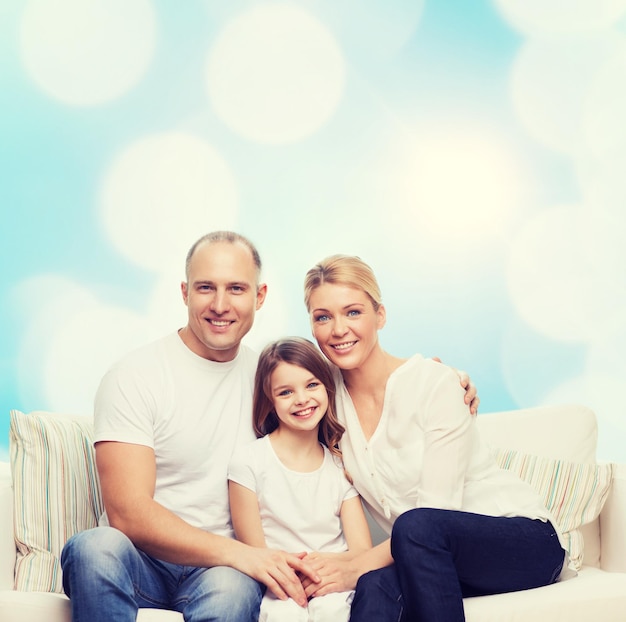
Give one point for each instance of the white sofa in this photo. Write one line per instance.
(563, 434)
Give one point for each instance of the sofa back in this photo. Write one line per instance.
(563, 432)
(567, 432)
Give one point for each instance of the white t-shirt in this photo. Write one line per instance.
(427, 452)
(192, 412)
(299, 511)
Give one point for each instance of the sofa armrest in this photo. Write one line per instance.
(613, 524)
(7, 541)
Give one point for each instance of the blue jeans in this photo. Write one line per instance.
(107, 578)
(442, 556)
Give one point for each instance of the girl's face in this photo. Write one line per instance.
(345, 324)
(300, 399)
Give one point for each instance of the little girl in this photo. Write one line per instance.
(288, 489)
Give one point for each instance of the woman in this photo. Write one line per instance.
(459, 525)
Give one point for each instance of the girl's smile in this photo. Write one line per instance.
(300, 399)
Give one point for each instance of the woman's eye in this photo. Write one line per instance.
(353, 313)
(322, 318)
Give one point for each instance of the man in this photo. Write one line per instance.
(167, 418)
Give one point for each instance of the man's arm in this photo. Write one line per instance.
(127, 479)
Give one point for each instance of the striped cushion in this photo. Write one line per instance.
(55, 490)
(574, 493)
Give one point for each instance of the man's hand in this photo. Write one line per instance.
(277, 570)
(471, 394)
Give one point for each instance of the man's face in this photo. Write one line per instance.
(222, 297)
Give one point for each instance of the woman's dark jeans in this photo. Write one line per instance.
(442, 556)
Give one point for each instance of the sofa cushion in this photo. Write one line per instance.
(56, 492)
(573, 492)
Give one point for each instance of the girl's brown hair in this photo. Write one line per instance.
(300, 352)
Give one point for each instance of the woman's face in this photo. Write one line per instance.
(345, 324)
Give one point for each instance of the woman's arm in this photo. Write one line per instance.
(448, 444)
(244, 511)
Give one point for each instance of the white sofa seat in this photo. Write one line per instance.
(598, 593)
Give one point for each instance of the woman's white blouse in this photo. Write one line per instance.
(427, 452)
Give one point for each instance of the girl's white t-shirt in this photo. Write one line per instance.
(299, 511)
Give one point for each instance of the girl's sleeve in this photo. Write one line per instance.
(346, 488)
(241, 468)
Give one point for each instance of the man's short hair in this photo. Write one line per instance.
(224, 236)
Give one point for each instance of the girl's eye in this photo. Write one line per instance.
(284, 393)
(313, 385)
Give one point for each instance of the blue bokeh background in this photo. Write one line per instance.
(473, 153)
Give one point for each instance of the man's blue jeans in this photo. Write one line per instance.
(442, 556)
(107, 579)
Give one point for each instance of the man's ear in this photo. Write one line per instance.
(184, 291)
(261, 293)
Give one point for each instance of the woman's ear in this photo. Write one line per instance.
(382, 316)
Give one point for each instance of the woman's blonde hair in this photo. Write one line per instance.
(347, 270)
(300, 352)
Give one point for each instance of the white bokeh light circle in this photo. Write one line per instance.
(550, 83)
(87, 52)
(275, 74)
(58, 297)
(165, 303)
(372, 29)
(271, 320)
(453, 184)
(606, 357)
(545, 17)
(162, 193)
(603, 185)
(603, 394)
(70, 341)
(603, 115)
(552, 284)
(82, 347)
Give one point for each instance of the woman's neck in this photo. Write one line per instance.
(367, 386)
(371, 377)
